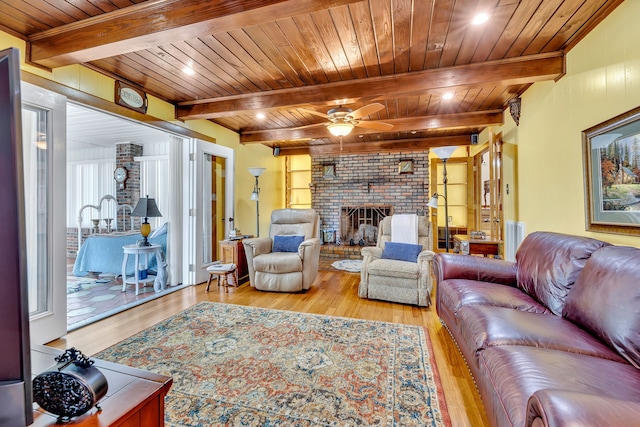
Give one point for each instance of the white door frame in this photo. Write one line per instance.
(195, 269)
(51, 323)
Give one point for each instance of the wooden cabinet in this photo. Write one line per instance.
(232, 251)
(135, 397)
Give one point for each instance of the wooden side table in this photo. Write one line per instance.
(135, 397)
(463, 244)
(232, 252)
(137, 251)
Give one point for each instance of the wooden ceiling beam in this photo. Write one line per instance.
(504, 72)
(157, 22)
(392, 146)
(444, 121)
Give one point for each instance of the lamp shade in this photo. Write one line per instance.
(433, 202)
(257, 171)
(254, 196)
(146, 208)
(340, 128)
(444, 152)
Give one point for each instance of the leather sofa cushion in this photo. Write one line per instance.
(278, 262)
(606, 299)
(559, 407)
(510, 374)
(485, 326)
(457, 293)
(548, 264)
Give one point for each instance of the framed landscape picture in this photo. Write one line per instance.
(612, 174)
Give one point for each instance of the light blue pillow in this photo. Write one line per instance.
(160, 231)
(401, 251)
(286, 243)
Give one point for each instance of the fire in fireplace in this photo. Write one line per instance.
(359, 224)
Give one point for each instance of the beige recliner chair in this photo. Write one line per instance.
(287, 260)
(398, 281)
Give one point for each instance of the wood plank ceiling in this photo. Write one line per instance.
(227, 61)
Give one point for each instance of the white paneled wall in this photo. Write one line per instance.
(89, 177)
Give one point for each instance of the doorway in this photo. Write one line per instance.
(158, 167)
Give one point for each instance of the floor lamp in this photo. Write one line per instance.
(256, 172)
(444, 153)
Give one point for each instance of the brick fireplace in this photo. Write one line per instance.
(369, 186)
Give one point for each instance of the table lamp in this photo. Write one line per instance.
(146, 208)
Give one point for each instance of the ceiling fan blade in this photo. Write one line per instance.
(366, 110)
(375, 125)
(314, 112)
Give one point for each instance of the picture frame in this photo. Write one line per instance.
(329, 171)
(405, 166)
(611, 155)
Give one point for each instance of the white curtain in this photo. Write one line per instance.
(174, 209)
(87, 182)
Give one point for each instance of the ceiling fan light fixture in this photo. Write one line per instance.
(340, 128)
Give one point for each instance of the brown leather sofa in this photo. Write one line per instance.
(552, 339)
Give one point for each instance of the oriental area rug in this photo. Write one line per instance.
(246, 366)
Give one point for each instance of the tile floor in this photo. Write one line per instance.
(92, 298)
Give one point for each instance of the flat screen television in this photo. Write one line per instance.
(16, 402)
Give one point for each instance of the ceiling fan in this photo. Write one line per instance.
(343, 120)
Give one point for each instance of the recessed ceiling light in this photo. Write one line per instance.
(480, 18)
(260, 116)
(413, 132)
(188, 70)
(448, 95)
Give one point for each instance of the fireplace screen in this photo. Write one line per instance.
(359, 224)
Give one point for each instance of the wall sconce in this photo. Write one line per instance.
(256, 172)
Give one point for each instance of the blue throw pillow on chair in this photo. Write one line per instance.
(286, 243)
(401, 251)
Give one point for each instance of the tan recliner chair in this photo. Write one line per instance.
(398, 281)
(285, 271)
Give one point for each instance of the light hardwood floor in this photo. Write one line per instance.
(333, 293)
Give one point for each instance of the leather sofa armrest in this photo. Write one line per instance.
(564, 408)
(456, 266)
